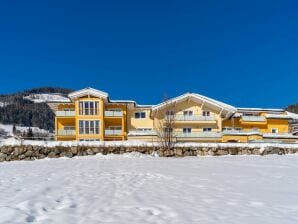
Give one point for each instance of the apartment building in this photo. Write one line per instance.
(93, 116)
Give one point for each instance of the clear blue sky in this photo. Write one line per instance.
(244, 53)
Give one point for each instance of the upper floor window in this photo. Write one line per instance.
(187, 113)
(88, 108)
(140, 115)
(88, 127)
(206, 113)
(186, 130)
(170, 113)
(207, 129)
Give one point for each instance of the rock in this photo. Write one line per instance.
(41, 156)
(28, 153)
(233, 151)
(21, 157)
(3, 155)
(52, 155)
(221, 152)
(179, 152)
(74, 150)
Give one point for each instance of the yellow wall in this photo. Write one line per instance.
(153, 120)
(264, 127)
(133, 123)
(197, 109)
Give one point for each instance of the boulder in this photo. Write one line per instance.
(52, 155)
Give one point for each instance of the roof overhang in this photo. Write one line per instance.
(88, 92)
(225, 109)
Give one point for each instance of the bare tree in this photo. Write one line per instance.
(165, 126)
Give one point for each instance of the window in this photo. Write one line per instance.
(186, 130)
(168, 130)
(69, 128)
(206, 113)
(187, 113)
(274, 130)
(227, 128)
(140, 115)
(207, 129)
(144, 129)
(170, 113)
(89, 140)
(87, 127)
(88, 108)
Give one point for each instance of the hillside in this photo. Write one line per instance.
(293, 108)
(29, 108)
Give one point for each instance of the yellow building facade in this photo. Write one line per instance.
(93, 116)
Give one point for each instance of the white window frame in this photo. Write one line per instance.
(90, 131)
(82, 108)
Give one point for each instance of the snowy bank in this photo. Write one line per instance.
(12, 149)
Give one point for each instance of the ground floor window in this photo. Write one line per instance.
(207, 129)
(89, 140)
(274, 130)
(88, 127)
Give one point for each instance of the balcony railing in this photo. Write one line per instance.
(113, 132)
(253, 118)
(113, 113)
(88, 111)
(208, 134)
(66, 132)
(193, 118)
(136, 132)
(62, 113)
(234, 131)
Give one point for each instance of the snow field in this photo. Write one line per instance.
(135, 188)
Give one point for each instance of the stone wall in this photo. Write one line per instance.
(29, 152)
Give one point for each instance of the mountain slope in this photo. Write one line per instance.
(29, 108)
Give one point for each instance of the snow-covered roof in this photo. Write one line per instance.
(122, 101)
(240, 109)
(88, 91)
(293, 116)
(144, 106)
(196, 98)
(278, 116)
(276, 135)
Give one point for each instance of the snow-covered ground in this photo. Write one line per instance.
(3, 104)
(134, 188)
(47, 97)
(8, 129)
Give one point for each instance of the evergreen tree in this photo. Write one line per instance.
(29, 133)
(14, 129)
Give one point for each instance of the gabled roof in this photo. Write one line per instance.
(88, 91)
(197, 98)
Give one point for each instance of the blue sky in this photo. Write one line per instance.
(240, 52)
